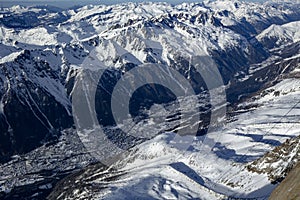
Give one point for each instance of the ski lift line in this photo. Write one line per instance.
(267, 133)
(284, 116)
(262, 178)
(290, 128)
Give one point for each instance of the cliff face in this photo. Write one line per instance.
(42, 48)
(279, 162)
(45, 52)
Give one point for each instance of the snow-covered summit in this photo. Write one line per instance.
(42, 55)
(278, 35)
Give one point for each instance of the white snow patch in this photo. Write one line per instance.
(10, 57)
(284, 33)
(37, 36)
(1, 107)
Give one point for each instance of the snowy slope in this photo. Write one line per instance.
(277, 35)
(41, 56)
(280, 161)
(60, 47)
(158, 169)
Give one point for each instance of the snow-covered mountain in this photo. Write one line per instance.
(157, 169)
(44, 51)
(277, 35)
(279, 162)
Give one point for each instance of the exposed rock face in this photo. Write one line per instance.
(35, 105)
(279, 162)
(37, 72)
(42, 50)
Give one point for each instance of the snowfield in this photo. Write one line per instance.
(45, 53)
(158, 170)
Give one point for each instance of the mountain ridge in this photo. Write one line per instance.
(43, 55)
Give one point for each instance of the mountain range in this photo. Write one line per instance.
(45, 51)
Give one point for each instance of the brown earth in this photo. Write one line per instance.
(289, 188)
